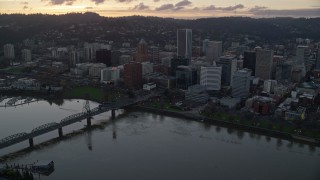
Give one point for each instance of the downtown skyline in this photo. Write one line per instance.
(182, 9)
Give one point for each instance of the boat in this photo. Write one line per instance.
(43, 167)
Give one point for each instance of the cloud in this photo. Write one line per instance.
(183, 3)
(258, 8)
(89, 7)
(178, 6)
(156, 0)
(165, 7)
(98, 1)
(286, 12)
(24, 3)
(124, 1)
(229, 8)
(140, 7)
(60, 2)
(25, 7)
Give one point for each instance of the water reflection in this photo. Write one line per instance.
(240, 134)
(89, 139)
(268, 139)
(218, 129)
(279, 143)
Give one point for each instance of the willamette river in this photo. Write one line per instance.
(140, 145)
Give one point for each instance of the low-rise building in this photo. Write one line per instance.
(149, 86)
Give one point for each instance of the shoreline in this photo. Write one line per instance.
(253, 129)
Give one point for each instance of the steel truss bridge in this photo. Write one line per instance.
(45, 128)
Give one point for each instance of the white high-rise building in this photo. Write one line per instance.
(26, 55)
(184, 43)
(8, 50)
(213, 51)
(210, 77)
(241, 83)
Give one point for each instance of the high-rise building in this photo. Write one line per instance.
(88, 53)
(241, 83)
(175, 62)
(8, 50)
(205, 45)
(103, 56)
(264, 64)
(155, 54)
(26, 55)
(74, 57)
(133, 75)
(318, 59)
(210, 77)
(213, 51)
(300, 54)
(249, 61)
(186, 76)
(184, 43)
(142, 51)
(229, 66)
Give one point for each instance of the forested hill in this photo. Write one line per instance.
(16, 27)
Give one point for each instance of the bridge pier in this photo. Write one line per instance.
(31, 142)
(113, 113)
(88, 121)
(60, 132)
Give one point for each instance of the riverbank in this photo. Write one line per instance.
(253, 129)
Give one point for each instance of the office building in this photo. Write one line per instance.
(249, 61)
(26, 55)
(103, 56)
(184, 43)
(264, 64)
(142, 52)
(175, 62)
(133, 75)
(229, 66)
(186, 76)
(241, 83)
(301, 53)
(213, 51)
(8, 50)
(147, 68)
(155, 54)
(210, 77)
(110, 74)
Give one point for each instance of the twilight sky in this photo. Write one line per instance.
(168, 8)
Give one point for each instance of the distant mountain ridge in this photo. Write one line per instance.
(16, 27)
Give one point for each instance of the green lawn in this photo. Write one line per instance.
(96, 94)
(15, 69)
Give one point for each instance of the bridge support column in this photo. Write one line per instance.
(88, 121)
(60, 132)
(31, 142)
(113, 113)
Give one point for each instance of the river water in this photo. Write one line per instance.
(141, 145)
